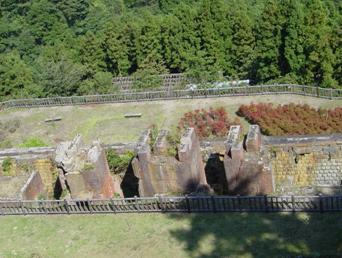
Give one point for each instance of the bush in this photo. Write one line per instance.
(292, 119)
(118, 164)
(33, 142)
(208, 123)
(7, 166)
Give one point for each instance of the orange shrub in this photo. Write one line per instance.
(292, 119)
(212, 122)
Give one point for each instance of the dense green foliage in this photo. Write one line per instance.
(118, 164)
(69, 47)
(292, 119)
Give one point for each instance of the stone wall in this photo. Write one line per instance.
(247, 169)
(33, 188)
(307, 163)
(85, 170)
(159, 173)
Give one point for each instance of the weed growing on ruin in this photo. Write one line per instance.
(33, 142)
(88, 166)
(173, 140)
(118, 164)
(7, 166)
(154, 134)
(208, 123)
(292, 119)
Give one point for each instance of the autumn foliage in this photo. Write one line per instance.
(208, 123)
(292, 119)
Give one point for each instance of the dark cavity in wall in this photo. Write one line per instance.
(57, 191)
(130, 183)
(215, 174)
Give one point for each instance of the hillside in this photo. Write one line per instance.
(69, 47)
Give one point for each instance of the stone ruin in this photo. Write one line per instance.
(246, 168)
(251, 164)
(159, 173)
(84, 172)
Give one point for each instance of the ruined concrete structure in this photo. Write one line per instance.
(246, 165)
(159, 173)
(84, 170)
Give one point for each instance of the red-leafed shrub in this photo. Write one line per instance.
(292, 119)
(207, 123)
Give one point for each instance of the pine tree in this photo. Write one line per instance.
(268, 42)
(294, 40)
(319, 56)
(240, 54)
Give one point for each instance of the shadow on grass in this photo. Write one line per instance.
(261, 235)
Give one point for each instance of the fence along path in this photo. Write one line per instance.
(134, 96)
(176, 204)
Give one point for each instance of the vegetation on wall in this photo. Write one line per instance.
(208, 123)
(292, 119)
(118, 164)
(33, 142)
(61, 47)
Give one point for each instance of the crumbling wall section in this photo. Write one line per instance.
(159, 173)
(247, 169)
(33, 188)
(85, 170)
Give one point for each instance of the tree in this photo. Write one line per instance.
(16, 77)
(294, 40)
(241, 51)
(319, 56)
(268, 40)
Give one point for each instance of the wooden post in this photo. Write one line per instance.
(239, 203)
(187, 204)
(90, 207)
(136, 206)
(266, 203)
(160, 202)
(112, 203)
(293, 203)
(213, 203)
(66, 205)
(22, 207)
(321, 206)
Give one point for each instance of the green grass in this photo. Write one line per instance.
(107, 122)
(172, 235)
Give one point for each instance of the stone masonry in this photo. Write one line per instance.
(247, 170)
(85, 170)
(160, 173)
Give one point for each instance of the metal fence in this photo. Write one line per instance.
(185, 204)
(175, 94)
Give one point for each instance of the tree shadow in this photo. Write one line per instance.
(260, 234)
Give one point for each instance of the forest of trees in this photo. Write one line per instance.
(70, 47)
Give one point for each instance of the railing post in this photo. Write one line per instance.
(239, 203)
(136, 206)
(321, 207)
(187, 203)
(213, 203)
(66, 205)
(90, 207)
(331, 93)
(112, 203)
(266, 203)
(293, 203)
(160, 202)
(41, 204)
(22, 207)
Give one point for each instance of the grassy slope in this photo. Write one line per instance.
(107, 122)
(159, 235)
